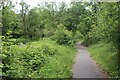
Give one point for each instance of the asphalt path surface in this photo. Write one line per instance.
(85, 66)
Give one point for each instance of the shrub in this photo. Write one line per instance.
(78, 36)
(31, 60)
(63, 36)
(20, 61)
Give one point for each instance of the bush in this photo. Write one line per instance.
(63, 36)
(78, 36)
(31, 60)
(15, 41)
(20, 61)
(87, 41)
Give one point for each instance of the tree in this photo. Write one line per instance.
(4, 4)
(24, 13)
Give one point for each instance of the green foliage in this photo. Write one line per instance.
(63, 36)
(105, 27)
(105, 55)
(31, 60)
(78, 36)
(90, 22)
(59, 66)
(10, 23)
(35, 30)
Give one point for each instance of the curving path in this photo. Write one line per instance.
(85, 66)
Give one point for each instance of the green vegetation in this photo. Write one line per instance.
(105, 55)
(40, 59)
(63, 36)
(36, 41)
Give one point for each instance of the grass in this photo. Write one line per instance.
(59, 66)
(106, 56)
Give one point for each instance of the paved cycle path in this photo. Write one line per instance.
(85, 66)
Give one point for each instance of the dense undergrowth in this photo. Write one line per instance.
(105, 55)
(40, 59)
